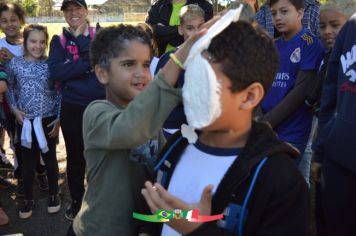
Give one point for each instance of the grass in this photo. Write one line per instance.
(56, 28)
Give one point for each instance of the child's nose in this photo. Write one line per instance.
(140, 71)
(328, 29)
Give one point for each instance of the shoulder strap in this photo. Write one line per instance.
(63, 39)
(169, 157)
(92, 32)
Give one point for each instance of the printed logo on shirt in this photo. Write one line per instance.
(295, 57)
(308, 39)
(347, 60)
(348, 87)
(281, 80)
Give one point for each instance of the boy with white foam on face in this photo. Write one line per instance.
(191, 19)
(233, 150)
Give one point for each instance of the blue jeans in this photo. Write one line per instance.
(307, 154)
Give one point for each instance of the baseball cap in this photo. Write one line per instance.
(78, 2)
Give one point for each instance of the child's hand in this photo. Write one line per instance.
(158, 198)
(171, 70)
(81, 29)
(19, 115)
(55, 130)
(183, 51)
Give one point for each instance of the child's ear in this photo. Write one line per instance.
(300, 14)
(253, 95)
(180, 30)
(101, 74)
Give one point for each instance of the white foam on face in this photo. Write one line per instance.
(201, 89)
(201, 93)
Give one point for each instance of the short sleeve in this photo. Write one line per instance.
(312, 53)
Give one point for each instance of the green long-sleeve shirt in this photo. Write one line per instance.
(115, 140)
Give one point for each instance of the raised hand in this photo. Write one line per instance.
(159, 198)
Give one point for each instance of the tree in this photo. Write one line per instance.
(45, 7)
(30, 6)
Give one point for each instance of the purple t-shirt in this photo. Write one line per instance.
(303, 52)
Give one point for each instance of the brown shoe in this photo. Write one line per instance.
(4, 219)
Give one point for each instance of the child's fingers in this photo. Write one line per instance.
(205, 200)
(172, 201)
(154, 194)
(149, 201)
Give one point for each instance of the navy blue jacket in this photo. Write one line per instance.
(337, 117)
(279, 202)
(71, 67)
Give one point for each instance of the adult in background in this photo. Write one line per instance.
(310, 19)
(69, 65)
(163, 16)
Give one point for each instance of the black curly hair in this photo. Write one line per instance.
(110, 41)
(246, 54)
(16, 8)
(298, 4)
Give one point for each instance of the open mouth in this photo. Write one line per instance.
(139, 86)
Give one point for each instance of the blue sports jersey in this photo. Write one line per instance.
(302, 52)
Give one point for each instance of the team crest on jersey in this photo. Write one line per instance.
(307, 38)
(295, 57)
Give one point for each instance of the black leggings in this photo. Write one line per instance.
(70, 231)
(31, 158)
(71, 124)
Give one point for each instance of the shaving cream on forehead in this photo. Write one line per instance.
(201, 89)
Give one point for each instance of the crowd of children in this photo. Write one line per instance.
(286, 107)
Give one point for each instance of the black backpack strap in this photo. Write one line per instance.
(235, 215)
(169, 157)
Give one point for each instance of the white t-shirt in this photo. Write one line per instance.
(17, 50)
(199, 166)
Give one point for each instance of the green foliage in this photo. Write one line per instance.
(30, 6)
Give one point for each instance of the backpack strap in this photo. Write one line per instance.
(235, 215)
(63, 39)
(169, 157)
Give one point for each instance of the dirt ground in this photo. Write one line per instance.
(41, 223)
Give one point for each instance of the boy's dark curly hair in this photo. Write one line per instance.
(110, 41)
(246, 54)
(298, 4)
(16, 8)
